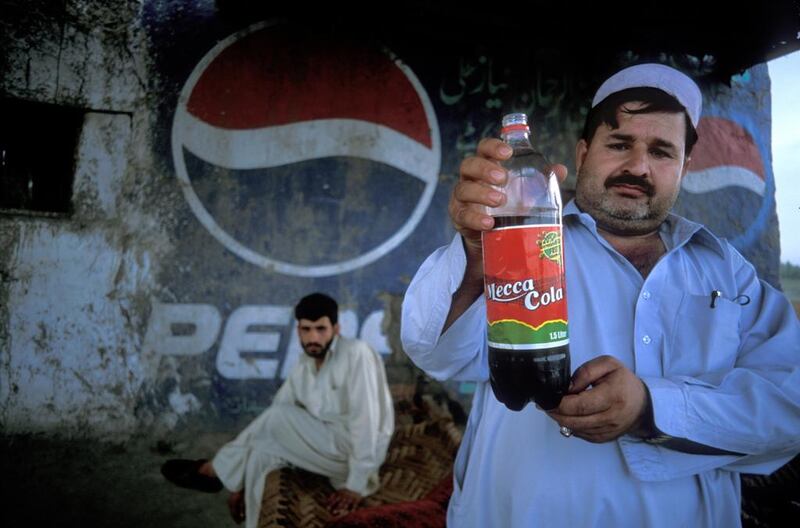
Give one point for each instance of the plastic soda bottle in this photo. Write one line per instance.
(524, 284)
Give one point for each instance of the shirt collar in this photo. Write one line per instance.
(675, 231)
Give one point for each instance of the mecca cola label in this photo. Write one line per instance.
(525, 289)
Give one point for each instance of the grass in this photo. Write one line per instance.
(791, 287)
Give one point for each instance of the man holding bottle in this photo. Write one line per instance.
(677, 389)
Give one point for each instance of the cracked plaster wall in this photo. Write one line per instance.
(74, 291)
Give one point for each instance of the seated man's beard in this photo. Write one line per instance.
(317, 349)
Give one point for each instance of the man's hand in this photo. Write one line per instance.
(615, 404)
(342, 501)
(474, 192)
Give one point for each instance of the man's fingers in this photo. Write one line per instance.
(468, 192)
(482, 178)
(491, 152)
(479, 169)
(585, 423)
(471, 218)
(597, 437)
(560, 170)
(490, 171)
(592, 371)
(493, 148)
(585, 403)
(613, 406)
(468, 206)
(598, 423)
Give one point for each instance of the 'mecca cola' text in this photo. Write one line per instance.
(525, 290)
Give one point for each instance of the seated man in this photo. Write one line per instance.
(333, 416)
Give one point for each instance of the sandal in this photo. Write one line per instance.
(184, 473)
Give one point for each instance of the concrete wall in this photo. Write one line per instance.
(227, 167)
(76, 291)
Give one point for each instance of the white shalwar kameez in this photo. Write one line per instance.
(335, 422)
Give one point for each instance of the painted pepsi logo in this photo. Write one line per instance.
(725, 155)
(305, 156)
(729, 161)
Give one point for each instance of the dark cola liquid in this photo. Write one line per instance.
(521, 376)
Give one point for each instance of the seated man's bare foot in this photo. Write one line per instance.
(207, 469)
(236, 506)
(342, 502)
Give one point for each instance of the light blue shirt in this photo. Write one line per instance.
(725, 377)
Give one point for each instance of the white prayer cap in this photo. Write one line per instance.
(667, 79)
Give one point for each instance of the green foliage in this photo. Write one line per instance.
(789, 271)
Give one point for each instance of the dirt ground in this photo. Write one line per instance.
(56, 482)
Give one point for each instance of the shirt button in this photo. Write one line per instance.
(646, 340)
(645, 295)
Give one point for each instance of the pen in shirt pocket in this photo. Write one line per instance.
(741, 299)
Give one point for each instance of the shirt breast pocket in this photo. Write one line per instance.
(703, 339)
(335, 400)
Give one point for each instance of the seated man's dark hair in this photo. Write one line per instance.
(316, 306)
(654, 100)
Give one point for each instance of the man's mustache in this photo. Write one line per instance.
(627, 179)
